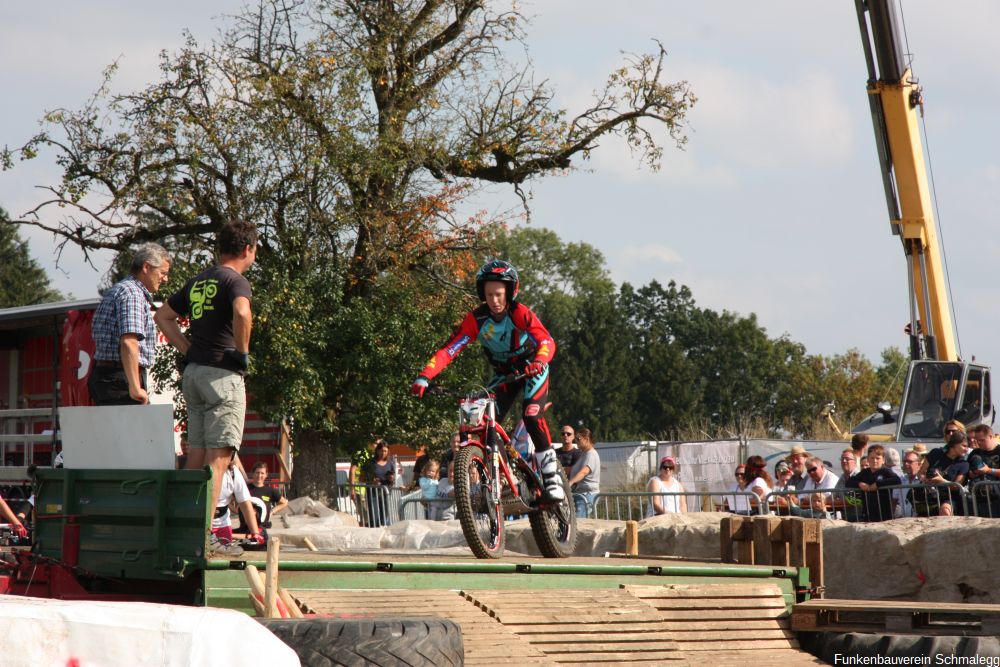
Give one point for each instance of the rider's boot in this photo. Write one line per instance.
(548, 465)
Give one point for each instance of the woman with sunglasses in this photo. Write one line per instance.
(664, 483)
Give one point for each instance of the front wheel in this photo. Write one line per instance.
(554, 525)
(479, 508)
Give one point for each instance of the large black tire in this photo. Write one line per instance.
(554, 528)
(478, 507)
(386, 642)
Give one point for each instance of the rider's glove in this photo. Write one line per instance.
(20, 530)
(534, 368)
(257, 539)
(240, 359)
(419, 387)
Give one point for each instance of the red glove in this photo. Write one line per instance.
(257, 539)
(419, 387)
(534, 368)
(20, 530)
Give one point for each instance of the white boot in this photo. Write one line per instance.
(548, 465)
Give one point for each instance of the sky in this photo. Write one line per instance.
(775, 206)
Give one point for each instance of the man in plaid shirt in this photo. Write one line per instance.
(124, 332)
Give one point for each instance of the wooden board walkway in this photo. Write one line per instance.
(912, 617)
(727, 624)
(487, 642)
(719, 625)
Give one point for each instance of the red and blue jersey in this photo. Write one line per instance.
(510, 344)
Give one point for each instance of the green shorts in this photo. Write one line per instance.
(216, 407)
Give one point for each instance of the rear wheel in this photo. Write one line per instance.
(479, 509)
(554, 526)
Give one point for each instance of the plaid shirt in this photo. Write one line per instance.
(127, 308)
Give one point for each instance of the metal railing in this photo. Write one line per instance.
(636, 505)
(882, 504)
(984, 498)
(375, 505)
(430, 509)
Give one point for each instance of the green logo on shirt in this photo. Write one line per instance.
(201, 295)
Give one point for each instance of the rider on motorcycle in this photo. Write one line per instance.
(515, 341)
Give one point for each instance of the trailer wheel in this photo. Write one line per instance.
(383, 642)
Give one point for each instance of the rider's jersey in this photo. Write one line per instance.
(510, 344)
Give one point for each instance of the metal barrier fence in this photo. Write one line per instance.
(372, 505)
(882, 504)
(984, 498)
(381, 506)
(415, 506)
(633, 506)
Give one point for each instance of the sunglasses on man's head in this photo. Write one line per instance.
(813, 469)
(567, 433)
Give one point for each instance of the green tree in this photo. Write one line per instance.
(22, 281)
(347, 131)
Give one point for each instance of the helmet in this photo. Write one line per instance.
(501, 271)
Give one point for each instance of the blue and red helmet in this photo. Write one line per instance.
(500, 271)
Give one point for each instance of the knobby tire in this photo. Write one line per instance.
(479, 511)
(555, 536)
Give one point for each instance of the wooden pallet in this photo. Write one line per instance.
(772, 540)
(913, 617)
(487, 641)
(727, 623)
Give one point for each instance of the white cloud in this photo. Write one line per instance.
(660, 254)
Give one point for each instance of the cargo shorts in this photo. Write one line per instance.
(216, 407)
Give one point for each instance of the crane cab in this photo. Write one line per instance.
(935, 392)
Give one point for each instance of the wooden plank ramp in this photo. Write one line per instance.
(898, 617)
(633, 626)
(726, 624)
(487, 642)
(583, 627)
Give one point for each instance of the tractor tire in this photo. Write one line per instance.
(382, 642)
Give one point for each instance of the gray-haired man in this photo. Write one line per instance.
(124, 332)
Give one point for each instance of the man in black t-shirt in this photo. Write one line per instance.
(217, 304)
(984, 473)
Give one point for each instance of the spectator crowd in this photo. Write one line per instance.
(960, 476)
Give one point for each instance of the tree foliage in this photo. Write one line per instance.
(22, 281)
(347, 131)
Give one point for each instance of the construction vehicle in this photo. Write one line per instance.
(939, 385)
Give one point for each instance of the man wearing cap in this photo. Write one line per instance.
(663, 483)
(797, 460)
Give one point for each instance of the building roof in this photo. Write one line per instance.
(39, 313)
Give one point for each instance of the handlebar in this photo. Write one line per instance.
(440, 390)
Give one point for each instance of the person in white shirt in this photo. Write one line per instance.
(758, 482)
(814, 504)
(233, 487)
(664, 483)
(737, 504)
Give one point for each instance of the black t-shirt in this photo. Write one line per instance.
(207, 300)
(264, 498)
(877, 504)
(991, 458)
(568, 457)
